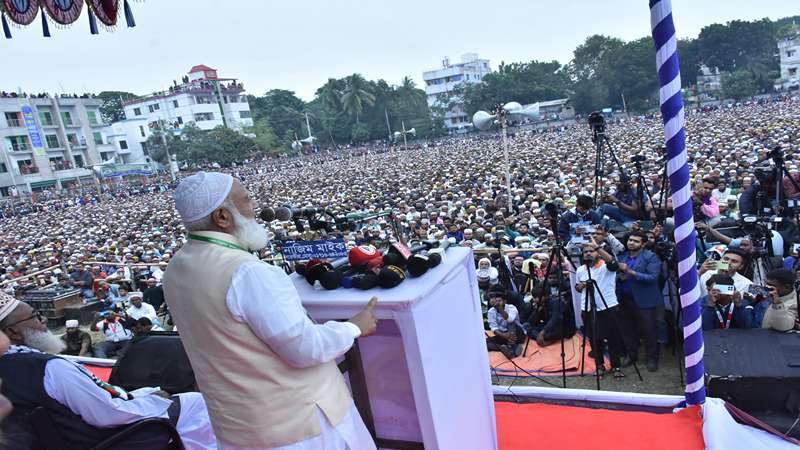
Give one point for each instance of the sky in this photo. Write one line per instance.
(298, 45)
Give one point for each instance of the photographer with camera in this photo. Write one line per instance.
(759, 198)
(782, 312)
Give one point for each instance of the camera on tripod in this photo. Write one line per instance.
(597, 123)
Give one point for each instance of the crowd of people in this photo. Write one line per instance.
(121, 237)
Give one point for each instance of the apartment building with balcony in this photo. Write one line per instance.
(50, 142)
(441, 83)
(202, 98)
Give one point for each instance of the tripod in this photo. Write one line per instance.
(590, 304)
(555, 254)
(598, 126)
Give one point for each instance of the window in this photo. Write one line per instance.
(72, 139)
(19, 143)
(793, 71)
(141, 131)
(92, 117)
(52, 141)
(145, 148)
(203, 100)
(46, 118)
(78, 160)
(13, 119)
(137, 111)
(66, 117)
(105, 156)
(174, 103)
(150, 108)
(3, 168)
(244, 114)
(790, 53)
(180, 120)
(98, 138)
(58, 163)
(123, 145)
(203, 116)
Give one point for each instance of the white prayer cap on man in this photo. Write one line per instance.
(7, 305)
(200, 194)
(71, 323)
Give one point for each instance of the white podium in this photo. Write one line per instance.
(425, 372)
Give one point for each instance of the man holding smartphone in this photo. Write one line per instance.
(732, 260)
(782, 312)
(720, 309)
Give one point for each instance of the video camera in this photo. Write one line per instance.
(597, 123)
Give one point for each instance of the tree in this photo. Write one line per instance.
(283, 110)
(738, 84)
(356, 95)
(111, 110)
(264, 136)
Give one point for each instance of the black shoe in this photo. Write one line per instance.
(507, 352)
(652, 365)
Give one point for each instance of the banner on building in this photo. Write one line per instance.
(33, 130)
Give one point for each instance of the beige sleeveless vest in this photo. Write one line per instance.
(254, 398)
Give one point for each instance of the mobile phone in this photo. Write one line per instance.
(723, 266)
(795, 248)
(725, 289)
(757, 290)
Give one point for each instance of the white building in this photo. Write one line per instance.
(789, 49)
(709, 83)
(444, 80)
(52, 142)
(201, 98)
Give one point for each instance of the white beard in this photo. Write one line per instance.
(251, 234)
(44, 341)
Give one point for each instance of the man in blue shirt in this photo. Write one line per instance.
(623, 205)
(639, 294)
(582, 212)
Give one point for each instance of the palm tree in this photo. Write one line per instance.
(357, 94)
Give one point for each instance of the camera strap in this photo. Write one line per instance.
(725, 324)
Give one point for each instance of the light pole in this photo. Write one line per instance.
(511, 111)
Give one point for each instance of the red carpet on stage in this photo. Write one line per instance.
(544, 361)
(529, 426)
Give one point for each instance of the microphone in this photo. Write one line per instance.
(284, 213)
(419, 264)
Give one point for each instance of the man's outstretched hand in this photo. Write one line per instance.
(365, 320)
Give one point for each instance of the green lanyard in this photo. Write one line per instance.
(216, 241)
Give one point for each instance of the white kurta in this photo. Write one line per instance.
(286, 329)
(65, 383)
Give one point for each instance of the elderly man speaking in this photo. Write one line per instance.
(267, 372)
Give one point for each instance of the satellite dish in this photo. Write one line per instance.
(483, 120)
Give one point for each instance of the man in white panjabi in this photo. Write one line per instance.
(267, 372)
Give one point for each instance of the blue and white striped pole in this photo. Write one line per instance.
(672, 113)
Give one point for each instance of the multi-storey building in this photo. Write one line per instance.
(789, 49)
(441, 83)
(53, 142)
(201, 98)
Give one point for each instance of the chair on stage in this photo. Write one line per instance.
(49, 438)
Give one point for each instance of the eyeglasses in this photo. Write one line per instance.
(36, 315)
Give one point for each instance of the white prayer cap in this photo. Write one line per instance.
(71, 323)
(7, 305)
(200, 194)
(135, 294)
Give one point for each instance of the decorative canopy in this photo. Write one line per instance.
(63, 13)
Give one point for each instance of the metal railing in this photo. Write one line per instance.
(15, 122)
